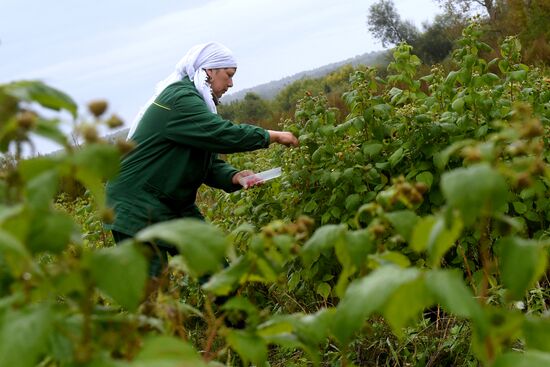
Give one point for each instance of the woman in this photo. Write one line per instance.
(179, 136)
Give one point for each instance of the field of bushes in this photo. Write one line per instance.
(409, 228)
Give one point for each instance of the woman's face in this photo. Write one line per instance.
(221, 80)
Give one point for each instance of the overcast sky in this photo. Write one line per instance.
(119, 49)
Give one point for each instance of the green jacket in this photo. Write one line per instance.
(178, 141)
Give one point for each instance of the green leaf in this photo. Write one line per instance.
(239, 303)
(278, 330)
(100, 160)
(449, 290)
(222, 283)
(166, 351)
(323, 289)
(310, 207)
(391, 258)
(15, 220)
(537, 333)
(106, 361)
(443, 238)
(41, 189)
(14, 253)
(359, 244)
(33, 167)
(518, 75)
(285, 244)
(317, 156)
(396, 157)
(335, 176)
(314, 329)
(421, 233)
(525, 359)
(425, 177)
(266, 270)
(352, 202)
(406, 304)
(94, 164)
(365, 296)
(490, 78)
(503, 65)
(249, 346)
(202, 245)
(94, 184)
(458, 104)
(24, 335)
(37, 91)
(120, 272)
(423, 118)
(295, 331)
(451, 77)
(441, 159)
(522, 263)
(276, 325)
(519, 207)
(352, 252)
(372, 149)
(404, 221)
(382, 109)
(51, 231)
(475, 191)
(322, 240)
(50, 129)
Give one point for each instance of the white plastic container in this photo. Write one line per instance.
(260, 177)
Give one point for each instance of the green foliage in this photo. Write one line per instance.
(202, 247)
(486, 194)
(252, 110)
(166, 351)
(120, 272)
(24, 335)
(427, 174)
(436, 41)
(522, 263)
(412, 229)
(50, 278)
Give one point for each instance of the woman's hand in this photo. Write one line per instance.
(282, 137)
(239, 179)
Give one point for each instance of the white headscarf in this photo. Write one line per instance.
(200, 57)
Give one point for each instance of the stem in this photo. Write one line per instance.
(485, 253)
(213, 326)
(437, 319)
(18, 151)
(468, 270)
(84, 351)
(487, 266)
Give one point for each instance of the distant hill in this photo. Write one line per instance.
(117, 135)
(270, 90)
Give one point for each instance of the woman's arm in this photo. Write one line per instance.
(191, 123)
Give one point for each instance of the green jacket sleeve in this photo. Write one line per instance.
(221, 174)
(194, 125)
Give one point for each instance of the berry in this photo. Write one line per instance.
(98, 107)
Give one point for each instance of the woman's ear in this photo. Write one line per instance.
(208, 74)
